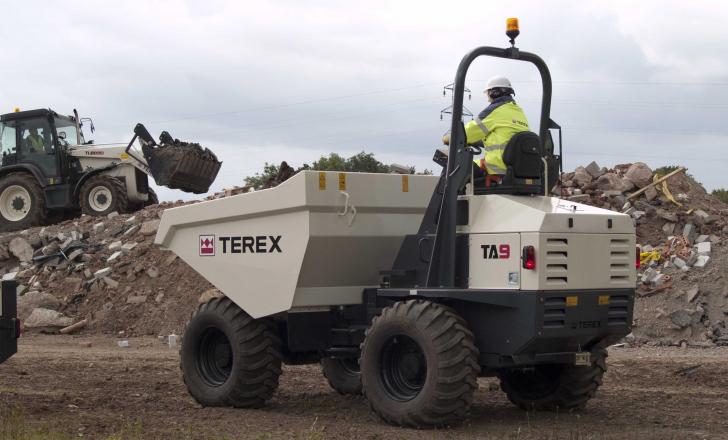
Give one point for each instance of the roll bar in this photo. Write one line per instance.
(441, 270)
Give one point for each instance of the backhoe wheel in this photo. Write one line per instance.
(343, 374)
(419, 365)
(228, 358)
(152, 198)
(554, 387)
(22, 203)
(102, 195)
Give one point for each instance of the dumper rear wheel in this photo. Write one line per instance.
(228, 358)
(343, 374)
(554, 387)
(102, 195)
(419, 365)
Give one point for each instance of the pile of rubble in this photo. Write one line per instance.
(682, 295)
(105, 273)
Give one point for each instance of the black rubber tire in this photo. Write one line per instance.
(344, 375)
(119, 198)
(447, 349)
(37, 214)
(243, 374)
(153, 199)
(555, 387)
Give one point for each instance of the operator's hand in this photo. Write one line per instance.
(446, 139)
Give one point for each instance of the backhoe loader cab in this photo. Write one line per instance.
(48, 167)
(407, 288)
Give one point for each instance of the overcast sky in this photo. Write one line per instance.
(293, 80)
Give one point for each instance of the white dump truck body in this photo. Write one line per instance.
(320, 238)
(317, 239)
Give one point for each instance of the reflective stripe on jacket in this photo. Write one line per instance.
(495, 126)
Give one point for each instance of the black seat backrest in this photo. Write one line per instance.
(523, 155)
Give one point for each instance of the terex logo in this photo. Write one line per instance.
(259, 244)
(492, 251)
(94, 153)
(207, 245)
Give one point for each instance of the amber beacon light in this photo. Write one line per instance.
(512, 30)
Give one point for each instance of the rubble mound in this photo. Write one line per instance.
(682, 231)
(104, 270)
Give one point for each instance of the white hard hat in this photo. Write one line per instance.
(498, 81)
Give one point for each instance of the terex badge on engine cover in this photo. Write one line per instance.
(248, 244)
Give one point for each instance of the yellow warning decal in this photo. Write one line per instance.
(603, 300)
(572, 301)
(342, 181)
(124, 156)
(322, 180)
(405, 183)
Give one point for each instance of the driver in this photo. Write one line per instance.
(495, 125)
(34, 141)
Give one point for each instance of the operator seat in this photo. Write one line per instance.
(524, 167)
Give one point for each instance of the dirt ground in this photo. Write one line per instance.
(89, 387)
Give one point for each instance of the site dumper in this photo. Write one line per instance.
(408, 288)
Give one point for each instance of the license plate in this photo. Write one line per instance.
(582, 359)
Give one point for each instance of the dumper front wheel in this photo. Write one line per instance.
(343, 374)
(419, 365)
(228, 358)
(554, 387)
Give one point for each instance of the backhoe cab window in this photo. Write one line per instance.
(7, 138)
(36, 137)
(71, 133)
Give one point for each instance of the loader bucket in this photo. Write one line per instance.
(181, 165)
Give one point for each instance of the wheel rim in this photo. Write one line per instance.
(100, 198)
(403, 369)
(214, 357)
(15, 203)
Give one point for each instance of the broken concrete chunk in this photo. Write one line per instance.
(46, 318)
(126, 248)
(639, 174)
(114, 256)
(98, 228)
(9, 276)
(651, 193)
(579, 198)
(582, 176)
(115, 245)
(702, 261)
(131, 230)
(150, 227)
(681, 318)
(130, 220)
(689, 232)
(692, 293)
(102, 272)
(668, 228)
(594, 170)
(610, 182)
(136, 299)
(703, 248)
(75, 254)
(680, 263)
(33, 300)
(153, 272)
(702, 238)
(667, 215)
(112, 214)
(111, 282)
(21, 249)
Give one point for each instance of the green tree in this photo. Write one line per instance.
(362, 162)
(721, 194)
(269, 171)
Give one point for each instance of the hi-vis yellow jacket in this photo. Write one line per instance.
(495, 126)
